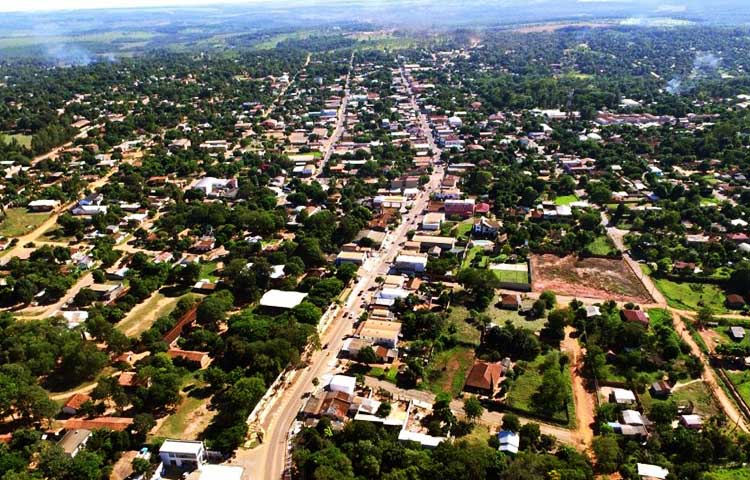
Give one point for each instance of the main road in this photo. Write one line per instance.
(268, 460)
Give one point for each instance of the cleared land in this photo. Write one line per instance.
(142, 316)
(19, 221)
(524, 388)
(447, 370)
(588, 278)
(23, 140)
(692, 296)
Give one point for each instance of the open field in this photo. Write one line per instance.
(738, 473)
(602, 245)
(142, 316)
(690, 296)
(23, 140)
(690, 391)
(188, 421)
(518, 273)
(565, 199)
(741, 381)
(589, 277)
(19, 221)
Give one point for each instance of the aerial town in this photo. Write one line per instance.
(522, 253)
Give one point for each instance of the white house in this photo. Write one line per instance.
(282, 299)
(411, 263)
(646, 470)
(342, 383)
(509, 441)
(183, 454)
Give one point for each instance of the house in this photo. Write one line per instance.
(217, 187)
(43, 205)
(737, 333)
(429, 241)
(200, 359)
(661, 389)
(357, 258)
(691, 422)
(117, 424)
(459, 208)
(432, 221)
(632, 417)
(622, 396)
(183, 454)
(651, 472)
(411, 263)
(485, 227)
(334, 405)
(484, 378)
(74, 403)
(282, 299)
(735, 302)
(180, 144)
(380, 332)
(509, 441)
(635, 316)
(342, 383)
(108, 293)
(74, 441)
(510, 302)
(593, 311)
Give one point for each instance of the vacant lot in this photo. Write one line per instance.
(589, 277)
(692, 296)
(19, 221)
(447, 370)
(523, 389)
(23, 140)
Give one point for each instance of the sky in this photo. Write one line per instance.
(31, 5)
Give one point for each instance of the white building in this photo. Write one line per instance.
(432, 221)
(411, 263)
(282, 299)
(343, 383)
(183, 454)
(509, 441)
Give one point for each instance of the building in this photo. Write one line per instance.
(74, 441)
(216, 187)
(485, 227)
(622, 396)
(117, 424)
(334, 405)
(735, 302)
(691, 422)
(342, 383)
(509, 441)
(737, 333)
(357, 258)
(484, 378)
(183, 454)
(411, 263)
(199, 359)
(429, 241)
(282, 299)
(661, 389)
(380, 332)
(74, 403)
(635, 316)
(510, 302)
(43, 205)
(651, 472)
(459, 208)
(432, 221)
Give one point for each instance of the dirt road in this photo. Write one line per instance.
(585, 403)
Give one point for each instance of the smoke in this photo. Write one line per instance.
(68, 55)
(705, 65)
(52, 40)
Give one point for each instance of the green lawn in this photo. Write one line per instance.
(23, 140)
(470, 255)
(602, 245)
(741, 381)
(729, 474)
(208, 271)
(512, 276)
(465, 331)
(690, 296)
(522, 391)
(565, 199)
(447, 370)
(461, 230)
(19, 221)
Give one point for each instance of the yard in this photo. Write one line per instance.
(693, 391)
(522, 390)
(565, 199)
(690, 296)
(208, 271)
(142, 316)
(19, 221)
(602, 245)
(511, 273)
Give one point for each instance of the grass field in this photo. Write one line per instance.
(602, 245)
(691, 296)
(23, 140)
(142, 316)
(512, 276)
(19, 221)
(447, 370)
(565, 199)
(729, 474)
(523, 389)
(207, 271)
(741, 381)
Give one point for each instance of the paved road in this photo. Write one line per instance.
(268, 460)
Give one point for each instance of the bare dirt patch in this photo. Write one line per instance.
(596, 278)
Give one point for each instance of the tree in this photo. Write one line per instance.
(143, 423)
(511, 422)
(608, 453)
(473, 408)
(552, 395)
(367, 355)
(549, 298)
(384, 410)
(555, 325)
(307, 313)
(481, 284)
(140, 466)
(599, 193)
